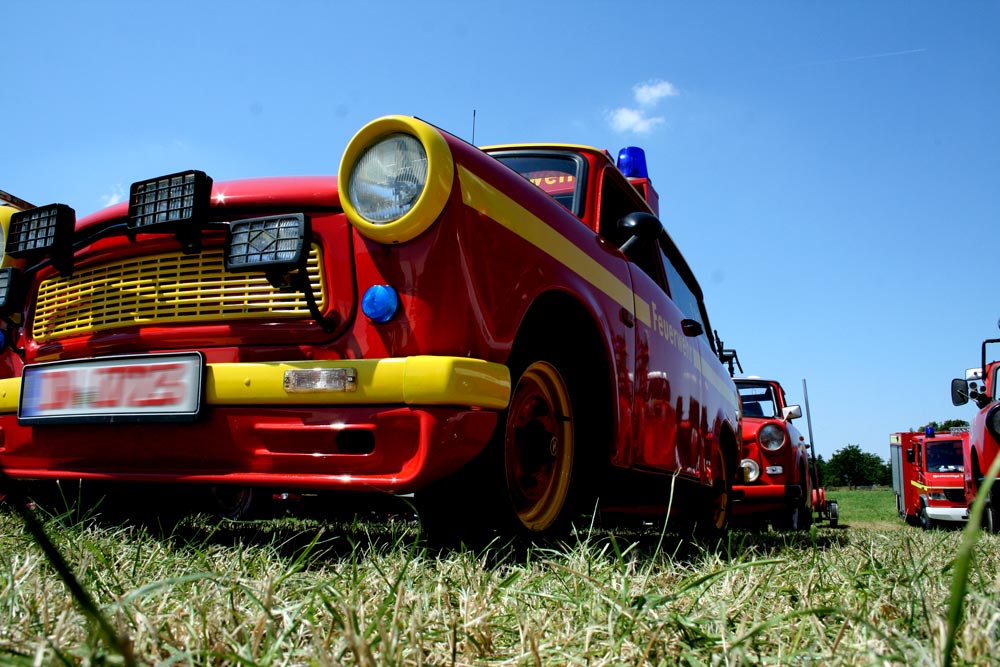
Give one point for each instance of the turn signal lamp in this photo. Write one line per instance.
(751, 470)
(274, 243)
(308, 380)
(380, 303)
(632, 162)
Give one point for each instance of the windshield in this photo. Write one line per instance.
(559, 175)
(757, 400)
(944, 456)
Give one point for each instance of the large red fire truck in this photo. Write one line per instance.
(928, 476)
(778, 480)
(980, 385)
(510, 333)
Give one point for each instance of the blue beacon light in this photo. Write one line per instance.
(380, 303)
(632, 162)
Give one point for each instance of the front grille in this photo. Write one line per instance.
(170, 288)
(955, 495)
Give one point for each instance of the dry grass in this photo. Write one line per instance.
(313, 592)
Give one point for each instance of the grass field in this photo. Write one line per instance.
(318, 592)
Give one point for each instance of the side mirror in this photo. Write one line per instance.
(909, 455)
(959, 392)
(692, 328)
(791, 412)
(639, 225)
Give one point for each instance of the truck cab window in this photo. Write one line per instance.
(683, 291)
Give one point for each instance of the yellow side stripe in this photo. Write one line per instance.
(924, 487)
(483, 197)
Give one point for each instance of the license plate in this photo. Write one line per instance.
(153, 387)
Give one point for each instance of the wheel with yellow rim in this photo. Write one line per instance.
(539, 449)
(715, 515)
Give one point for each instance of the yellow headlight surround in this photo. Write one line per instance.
(430, 203)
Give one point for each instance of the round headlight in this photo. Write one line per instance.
(395, 178)
(388, 178)
(771, 437)
(752, 469)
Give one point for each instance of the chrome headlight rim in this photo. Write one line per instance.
(752, 469)
(440, 176)
(771, 437)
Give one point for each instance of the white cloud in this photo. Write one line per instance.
(641, 120)
(648, 94)
(117, 195)
(633, 120)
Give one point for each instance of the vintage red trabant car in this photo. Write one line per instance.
(778, 484)
(509, 333)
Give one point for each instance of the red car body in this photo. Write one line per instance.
(928, 476)
(981, 386)
(522, 349)
(778, 486)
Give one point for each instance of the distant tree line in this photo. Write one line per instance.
(849, 466)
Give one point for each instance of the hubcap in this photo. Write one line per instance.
(539, 447)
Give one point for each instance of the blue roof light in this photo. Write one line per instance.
(380, 303)
(929, 432)
(632, 162)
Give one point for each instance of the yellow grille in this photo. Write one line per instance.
(164, 289)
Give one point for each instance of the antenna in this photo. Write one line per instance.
(473, 127)
(812, 443)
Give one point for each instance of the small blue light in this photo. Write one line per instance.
(3, 340)
(632, 162)
(929, 432)
(380, 303)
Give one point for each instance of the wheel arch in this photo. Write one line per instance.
(579, 336)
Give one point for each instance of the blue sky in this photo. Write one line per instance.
(831, 170)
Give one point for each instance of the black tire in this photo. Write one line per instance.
(991, 513)
(236, 503)
(926, 522)
(713, 518)
(796, 518)
(532, 480)
(833, 510)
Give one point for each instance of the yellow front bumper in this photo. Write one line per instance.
(419, 380)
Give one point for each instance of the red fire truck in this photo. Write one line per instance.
(980, 385)
(510, 333)
(779, 486)
(928, 476)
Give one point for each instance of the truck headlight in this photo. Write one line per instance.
(169, 202)
(261, 244)
(771, 437)
(8, 291)
(43, 232)
(35, 232)
(395, 177)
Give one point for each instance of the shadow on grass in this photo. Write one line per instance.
(337, 527)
